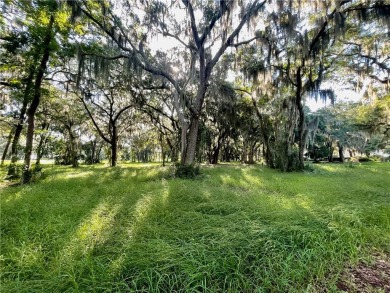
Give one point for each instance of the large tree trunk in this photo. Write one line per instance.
(161, 140)
(189, 157)
(9, 139)
(251, 153)
(183, 139)
(26, 176)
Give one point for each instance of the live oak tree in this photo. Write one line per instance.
(289, 63)
(202, 35)
(68, 120)
(108, 99)
(220, 118)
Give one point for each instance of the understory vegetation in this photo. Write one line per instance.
(134, 228)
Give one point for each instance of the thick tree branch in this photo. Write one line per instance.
(194, 29)
(254, 7)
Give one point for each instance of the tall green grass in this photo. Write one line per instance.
(235, 229)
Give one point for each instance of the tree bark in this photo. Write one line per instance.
(114, 146)
(9, 138)
(341, 153)
(73, 148)
(19, 128)
(215, 154)
(330, 157)
(93, 150)
(244, 155)
(26, 176)
(42, 140)
(192, 141)
(251, 153)
(302, 133)
(161, 140)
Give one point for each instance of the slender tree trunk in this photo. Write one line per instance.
(114, 146)
(9, 139)
(174, 155)
(26, 176)
(215, 154)
(42, 140)
(73, 144)
(73, 149)
(18, 129)
(162, 149)
(93, 150)
(330, 157)
(97, 155)
(302, 133)
(341, 153)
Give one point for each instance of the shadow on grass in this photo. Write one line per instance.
(129, 229)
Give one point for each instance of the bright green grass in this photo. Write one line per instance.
(236, 229)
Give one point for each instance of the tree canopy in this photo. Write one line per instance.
(214, 80)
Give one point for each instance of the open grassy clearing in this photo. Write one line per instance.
(238, 229)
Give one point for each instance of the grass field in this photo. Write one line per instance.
(236, 229)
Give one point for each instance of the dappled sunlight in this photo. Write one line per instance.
(253, 180)
(117, 264)
(116, 227)
(18, 195)
(141, 211)
(304, 201)
(78, 175)
(329, 167)
(143, 208)
(235, 183)
(93, 231)
(165, 193)
(29, 254)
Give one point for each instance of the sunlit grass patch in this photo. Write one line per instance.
(132, 228)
